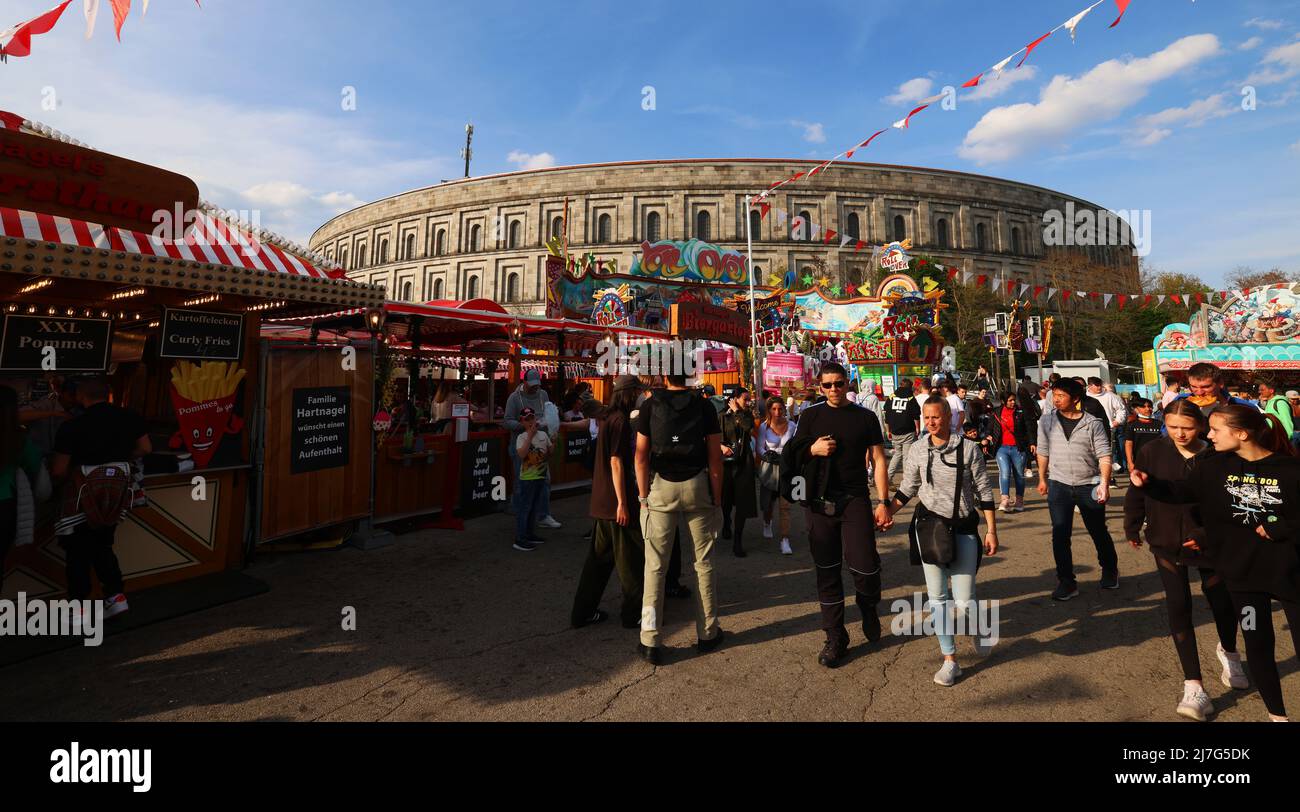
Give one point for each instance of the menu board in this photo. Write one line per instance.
(577, 445)
(54, 344)
(321, 428)
(201, 335)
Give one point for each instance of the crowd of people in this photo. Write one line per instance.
(1215, 486)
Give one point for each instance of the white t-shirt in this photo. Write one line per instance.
(769, 441)
(958, 410)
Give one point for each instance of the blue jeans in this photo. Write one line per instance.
(952, 585)
(1117, 447)
(1061, 501)
(544, 508)
(530, 498)
(1011, 466)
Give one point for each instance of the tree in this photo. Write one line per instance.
(1244, 277)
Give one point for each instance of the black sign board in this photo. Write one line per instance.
(577, 445)
(79, 345)
(480, 464)
(201, 335)
(322, 425)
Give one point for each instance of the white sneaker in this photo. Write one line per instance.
(947, 676)
(767, 530)
(1233, 676)
(1196, 704)
(785, 547)
(549, 523)
(115, 605)
(1005, 505)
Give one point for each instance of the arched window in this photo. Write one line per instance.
(652, 227)
(471, 288)
(512, 287)
(514, 233)
(981, 237)
(941, 233)
(1015, 241)
(408, 294)
(343, 258)
(557, 228)
(361, 255)
(437, 289)
(440, 242)
(900, 228)
(755, 224)
(383, 252)
(805, 226)
(852, 227)
(702, 230)
(604, 228)
(474, 232)
(410, 245)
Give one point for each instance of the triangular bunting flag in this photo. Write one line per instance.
(1023, 287)
(1001, 66)
(952, 274)
(844, 240)
(974, 82)
(814, 229)
(1074, 21)
(1160, 300)
(780, 217)
(1011, 285)
(121, 8)
(1050, 293)
(864, 144)
(91, 11)
(1123, 299)
(1065, 295)
(1123, 7)
(1105, 300)
(1029, 49)
(858, 246)
(830, 235)
(1038, 291)
(764, 210)
(902, 123)
(1146, 300)
(1177, 300)
(982, 280)
(1200, 299)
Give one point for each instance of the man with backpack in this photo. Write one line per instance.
(679, 482)
(903, 419)
(92, 457)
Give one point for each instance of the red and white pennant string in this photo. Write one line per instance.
(17, 40)
(994, 72)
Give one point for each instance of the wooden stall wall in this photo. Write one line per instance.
(413, 483)
(296, 503)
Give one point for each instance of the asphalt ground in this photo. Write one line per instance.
(459, 626)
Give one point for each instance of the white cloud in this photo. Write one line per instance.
(524, 160)
(339, 202)
(1251, 44)
(1069, 104)
(1286, 58)
(1263, 24)
(282, 193)
(1155, 128)
(911, 91)
(1296, 148)
(813, 132)
(990, 87)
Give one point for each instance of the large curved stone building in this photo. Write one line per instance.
(486, 236)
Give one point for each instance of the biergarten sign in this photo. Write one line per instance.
(55, 344)
(697, 320)
(201, 335)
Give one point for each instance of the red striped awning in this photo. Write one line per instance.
(209, 240)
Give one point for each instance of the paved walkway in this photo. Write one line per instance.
(458, 626)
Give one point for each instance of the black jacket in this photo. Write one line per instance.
(1168, 525)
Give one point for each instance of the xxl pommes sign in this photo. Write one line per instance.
(51, 177)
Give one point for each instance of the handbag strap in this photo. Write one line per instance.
(961, 468)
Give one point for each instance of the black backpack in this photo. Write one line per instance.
(677, 433)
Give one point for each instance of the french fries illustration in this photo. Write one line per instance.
(204, 382)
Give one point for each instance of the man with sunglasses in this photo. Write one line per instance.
(835, 442)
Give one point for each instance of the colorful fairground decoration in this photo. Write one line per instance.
(610, 309)
(1254, 330)
(663, 274)
(900, 324)
(893, 257)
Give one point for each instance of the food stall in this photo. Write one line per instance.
(1251, 333)
(93, 284)
(422, 466)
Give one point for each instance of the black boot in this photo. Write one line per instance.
(737, 544)
(837, 645)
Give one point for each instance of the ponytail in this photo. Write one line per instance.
(1265, 430)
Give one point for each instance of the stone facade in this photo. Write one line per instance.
(485, 237)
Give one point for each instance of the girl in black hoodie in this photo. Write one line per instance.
(1171, 530)
(1249, 500)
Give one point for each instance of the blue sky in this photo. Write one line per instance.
(245, 95)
